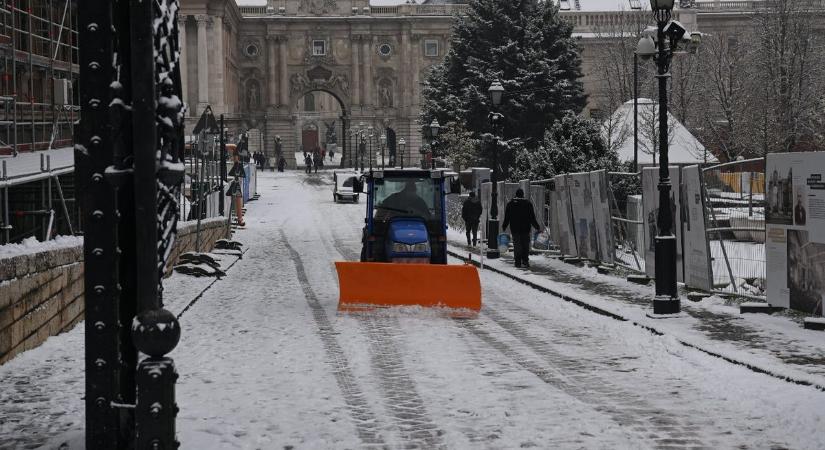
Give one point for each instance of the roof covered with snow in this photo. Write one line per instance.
(618, 131)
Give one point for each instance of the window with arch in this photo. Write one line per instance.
(309, 102)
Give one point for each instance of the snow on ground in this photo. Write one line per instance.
(31, 245)
(267, 362)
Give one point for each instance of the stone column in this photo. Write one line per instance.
(284, 78)
(272, 70)
(356, 70)
(203, 64)
(416, 69)
(217, 81)
(184, 76)
(406, 58)
(367, 56)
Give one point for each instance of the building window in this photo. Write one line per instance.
(251, 50)
(564, 5)
(319, 48)
(430, 47)
(309, 102)
(385, 50)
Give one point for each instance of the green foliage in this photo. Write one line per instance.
(463, 150)
(525, 45)
(573, 144)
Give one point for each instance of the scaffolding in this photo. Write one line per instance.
(38, 109)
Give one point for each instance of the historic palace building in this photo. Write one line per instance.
(308, 71)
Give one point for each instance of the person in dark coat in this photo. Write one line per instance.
(308, 162)
(471, 213)
(281, 163)
(520, 216)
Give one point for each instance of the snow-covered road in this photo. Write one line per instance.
(266, 362)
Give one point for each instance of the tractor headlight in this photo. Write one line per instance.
(423, 247)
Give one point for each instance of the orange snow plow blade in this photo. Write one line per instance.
(365, 286)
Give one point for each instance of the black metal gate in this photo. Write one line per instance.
(128, 151)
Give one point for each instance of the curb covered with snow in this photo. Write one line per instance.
(782, 373)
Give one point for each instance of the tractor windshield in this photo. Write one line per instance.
(407, 196)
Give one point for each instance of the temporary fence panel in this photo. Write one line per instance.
(486, 193)
(538, 198)
(584, 225)
(506, 192)
(650, 201)
(624, 192)
(601, 216)
(562, 218)
(698, 273)
(735, 218)
(796, 231)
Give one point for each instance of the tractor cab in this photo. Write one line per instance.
(406, 219)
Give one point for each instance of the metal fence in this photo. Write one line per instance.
(625, 192)
(735, 215)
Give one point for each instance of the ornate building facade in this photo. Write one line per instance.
(357, 64)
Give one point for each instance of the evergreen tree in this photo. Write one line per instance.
(528, 47)
(573, 144)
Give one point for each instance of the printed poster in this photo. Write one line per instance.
(603, 222)
(561, 219)
(650, 201)
(584, 223)
(795, 226)
(697, 263)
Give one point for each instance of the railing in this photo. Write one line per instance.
(396, 10)
(752, 5)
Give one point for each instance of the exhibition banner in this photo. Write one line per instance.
(697, 264)
(795, 227)
(537, 197)
(603, 223)
(584, 223)
(561, 219)
(650, 201)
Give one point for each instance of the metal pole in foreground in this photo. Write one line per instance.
(222, 168)
(666, 300)
(635, 112)
(496, 91)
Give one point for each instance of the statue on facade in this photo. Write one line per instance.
(253, 95)
(332, 137)
(385, 98)
(299, 82)
(341, 81)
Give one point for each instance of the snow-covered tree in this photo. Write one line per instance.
(522, 43)
(573, 144)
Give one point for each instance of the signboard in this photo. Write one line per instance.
(650, 200)
(697, 266)
(561, 220)
(581, 199)
(795, 226)
(601, 215)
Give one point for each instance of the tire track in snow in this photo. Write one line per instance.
(365, 420)
(579, 378)
(402, 399)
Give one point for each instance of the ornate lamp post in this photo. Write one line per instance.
(361, 145)
(668, 35)
(402, 144)
(370, 137)
(496, 91)
(435, 127)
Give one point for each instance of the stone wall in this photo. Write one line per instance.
(41, 294)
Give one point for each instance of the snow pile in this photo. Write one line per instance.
(31, 245)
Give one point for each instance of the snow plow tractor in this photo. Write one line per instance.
(404, 247)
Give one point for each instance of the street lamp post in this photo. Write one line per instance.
(383, 145)
(496, 91)
(402, 144)
(360, 137)
(370, 137)
(435, 127)
(668, 35)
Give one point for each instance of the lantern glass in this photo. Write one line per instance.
(662, 5)
(496, 90)
(435, 127)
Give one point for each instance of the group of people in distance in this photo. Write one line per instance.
(315, 159)
(519, 216)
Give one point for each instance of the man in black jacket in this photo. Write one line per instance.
(519, 215)
(471, 213)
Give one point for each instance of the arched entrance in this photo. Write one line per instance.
(319, 99)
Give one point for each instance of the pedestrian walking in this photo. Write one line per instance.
(520, 216)
(317, 161)
(235, 190)
(471, 213)
(281, 163)
(308, 162)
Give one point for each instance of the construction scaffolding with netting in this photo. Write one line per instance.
(38, 109)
